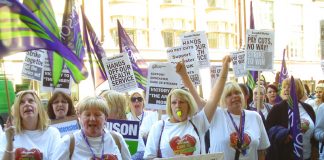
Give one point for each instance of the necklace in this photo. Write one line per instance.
(140, 119)
(88, 144)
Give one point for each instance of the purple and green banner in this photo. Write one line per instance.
(95, 53)
(21, 30)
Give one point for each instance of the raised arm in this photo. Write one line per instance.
(182, 71)
(9, 152)
(217, 90)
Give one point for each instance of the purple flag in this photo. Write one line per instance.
(283, 75)
(294, 122)
(21, 31)
(138, 63)
(97, 72)
(71, 34)
(252, 75)
(284, 71)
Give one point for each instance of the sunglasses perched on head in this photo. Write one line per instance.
(139, 99)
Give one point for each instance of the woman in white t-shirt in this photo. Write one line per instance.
(136, 106)
(30, 136)
(117, 104)
(264, 107)
(237, 132)
(182, 132)
(92, 141)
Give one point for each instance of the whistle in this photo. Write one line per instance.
(179, 113)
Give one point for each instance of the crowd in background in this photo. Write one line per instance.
(239, 121)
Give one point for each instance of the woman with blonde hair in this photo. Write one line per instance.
(136, 106)
(237, 132)
(92, 141)
(278, 125)
(30, 136)
(117, 105)
(181, 133)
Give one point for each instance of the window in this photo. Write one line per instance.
(265, 15)
(173, 28)
(171, 38)
(190, 2)
(221, 35)
(296, 41)
(177, 24)
(136, 28)
(217, 3)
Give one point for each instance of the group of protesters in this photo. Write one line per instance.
(236, 120)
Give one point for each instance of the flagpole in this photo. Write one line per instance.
(6, 85)
(259, 91)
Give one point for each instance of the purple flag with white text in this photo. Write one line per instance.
(139, 65)
(294, 122)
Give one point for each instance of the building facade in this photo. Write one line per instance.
(155, 25)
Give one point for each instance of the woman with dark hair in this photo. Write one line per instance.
(60, 105)
(246, 93)
(272, 94)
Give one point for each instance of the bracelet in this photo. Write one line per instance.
(11, 152)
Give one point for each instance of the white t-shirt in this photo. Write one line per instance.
(1, 131)
(319, 129)
(148, 122)
(307, 147)
(312, 102)
(221, 127)
(82, 150)
(45, 141)
(140, 118)
(176, 138)
(265, 110)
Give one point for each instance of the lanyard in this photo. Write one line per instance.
(140, 120)
(240, 131)
(102, 142)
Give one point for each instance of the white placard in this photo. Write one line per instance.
(199, 39)
(238, 59)
(214, 73)
(33, 64)
(64, 83)
(120, 73)
(188, 54)
(259, 50)
(162, 78)
(66, 127)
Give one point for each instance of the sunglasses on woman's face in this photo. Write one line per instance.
(139, 99)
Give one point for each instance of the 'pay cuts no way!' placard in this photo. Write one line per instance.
(259, 50)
